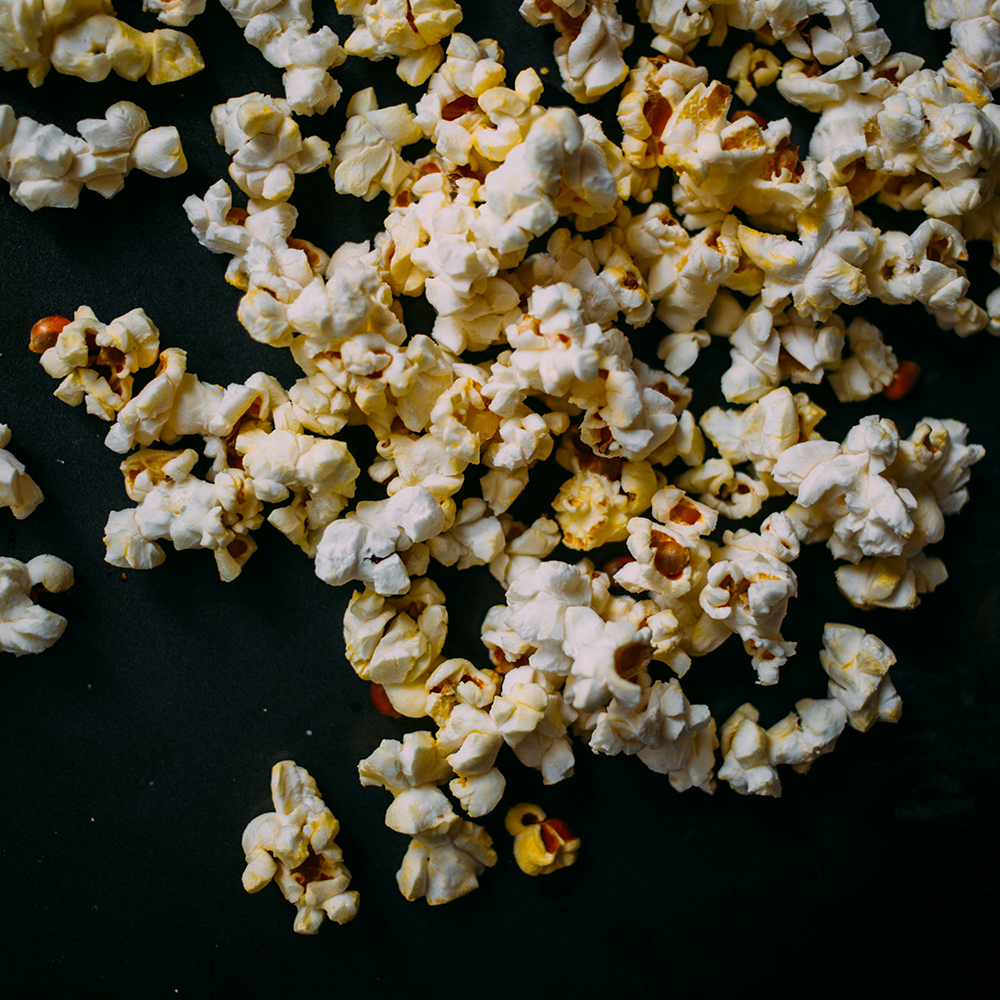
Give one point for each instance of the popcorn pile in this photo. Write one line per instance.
(529, 355)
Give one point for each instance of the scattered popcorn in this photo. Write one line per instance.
(46, 168)
(26, 627)
(82, 38)
(294, 846)
(541, 845)
(18, 490)
(409, 29)
(281, 30)
(267, 148)
(857, 664)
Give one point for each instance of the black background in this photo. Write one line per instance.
(139, 746)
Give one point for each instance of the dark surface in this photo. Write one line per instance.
(140, 745)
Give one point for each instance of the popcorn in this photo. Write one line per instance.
(94, 361)
(471, 741)
(669, 734)
(747, 590)
(751, 754)
(46, 168)
(975, 40)
(718, 486)
(870, 368)
(589, 50)
(294, 846)
(280, 29)
(679, 24)
(395, 641)
(176, 13)
(409, 29)
(541, 845)
(18, 490)
(445, 854)
(79, 38)
(366, 545)
(524, 548)
(368, 159)
(26, 627)
(267, 148)
(752, 69)
(823, 269)
(857, 664)
(475, 539)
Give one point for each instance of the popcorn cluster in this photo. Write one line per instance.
(530, 355)
(46, 168)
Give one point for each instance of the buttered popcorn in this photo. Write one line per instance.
(708, 220)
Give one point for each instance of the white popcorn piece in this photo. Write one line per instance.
(975, 40)
(717, 485)
(295, 847)
(751, 754)
(266, 145)
(870, 367)
(83, 38)
(479, 794)
(669, 734)
(747, 591)
(46, 168)
(752, 69)
(391, 641)
(821, 270)
(541, 845)
(18, 490)
(176, 13)
(475, 539)
(26, 627)
(409, 29)
(368, 154)
(367, 544)
(857, 664)
(281, 31)
(447, 870)
(94, 361)
(680, 24)
(471, 741)
(524, 547)
(589, 49)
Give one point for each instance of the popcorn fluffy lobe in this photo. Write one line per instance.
(18, 490)
(26, 627)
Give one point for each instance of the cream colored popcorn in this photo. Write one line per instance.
(142, 419)
(680, 24)
(95, 361)
(752, 69)
(715, 484)
(670, 555)
(267, 148)
(368, 544)
(524, 547)
(447, 868)
(26, 627)
(556, 171)
(541, 845)
(870, 366)
(669, 734)
(18, 490)
(368, 158)
(533, 717)
(683, 273)
(83, 38)
(932, 465)
(747, 590)
(821, 270)
(857, 664)
(176, 13)
(975, 38)
(408, 460)
(409, 29)
(924, 268)
(455, 682)
(295, 846)
(470, 740)
(281, 30)
(751, 754)
(760, 433)
(46, 168)
(589, 49)
(475, 539)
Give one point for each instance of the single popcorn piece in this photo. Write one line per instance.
(409, 29)
(753, 69)
(541, 845)
(18, 490)
(267, 148)
(589, 49)
(26, 627)
(83, 38)
(95, 362)
(857, 664)
(368, 154)
(176, 13)
(281, 30)
(46, 168)
(295, 846)
(680, 24)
